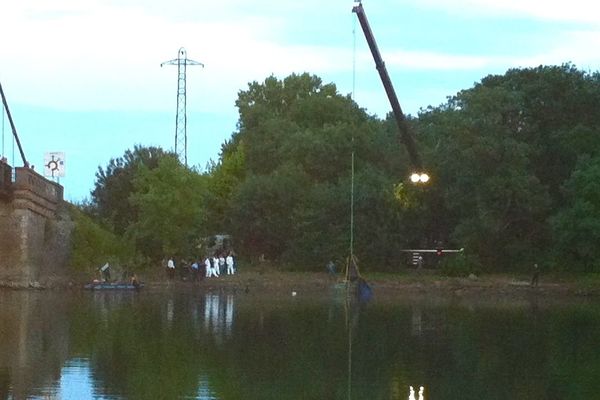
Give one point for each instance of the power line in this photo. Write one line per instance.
(181, 116)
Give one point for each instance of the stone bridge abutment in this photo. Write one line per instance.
(35, 229)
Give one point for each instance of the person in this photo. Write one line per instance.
(134, 281)
(171, 269)
(105, 272)
(235, 262)
(330, 268)
(221, 264)
(215, 266)
(207, 267)
(195, 271)
(420, 262)
(536, 275)
(229, 262)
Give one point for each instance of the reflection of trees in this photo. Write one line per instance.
(247, 348)
(145, 349)
(34, 341)
(169, 346)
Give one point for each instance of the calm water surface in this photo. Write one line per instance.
(197, 345)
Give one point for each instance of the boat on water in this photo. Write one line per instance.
(113, 286)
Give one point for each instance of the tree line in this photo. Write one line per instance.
(514, 163)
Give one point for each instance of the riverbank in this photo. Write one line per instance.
(390, 285)
(387, 285)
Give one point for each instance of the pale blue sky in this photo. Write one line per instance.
(84, 76)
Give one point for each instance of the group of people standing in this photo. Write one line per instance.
(214, 266)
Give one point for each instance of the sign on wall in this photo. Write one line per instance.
(54, 164)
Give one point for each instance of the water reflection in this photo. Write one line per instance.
(31, 349)
(411, 393)
(197, 345)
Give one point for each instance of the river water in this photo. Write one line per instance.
(198, 345)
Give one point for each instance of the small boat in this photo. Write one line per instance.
(113, 286)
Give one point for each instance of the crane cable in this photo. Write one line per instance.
(353, 55)
(351, 258)
(2, 154)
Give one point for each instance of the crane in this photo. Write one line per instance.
(418, 174)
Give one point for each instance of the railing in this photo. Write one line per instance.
(28, 179)
(32, 191)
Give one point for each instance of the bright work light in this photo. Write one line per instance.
(419, 178)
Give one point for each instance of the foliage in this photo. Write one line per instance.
(114, 184)
(169, 200)
(501, 151)
(576, 227)
(513, 162)
(460, 265)
(149, 199)
(94, 245)
(222, 180)
(292, 201)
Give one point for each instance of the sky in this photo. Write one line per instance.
(84, 77)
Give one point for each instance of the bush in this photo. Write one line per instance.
(94, 245)
(460, 265)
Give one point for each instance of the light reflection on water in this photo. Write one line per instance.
(75, 383)
(217, 346)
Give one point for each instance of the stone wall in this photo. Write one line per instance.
(35, 232)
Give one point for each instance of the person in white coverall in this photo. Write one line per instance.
(229, 262)
(207, 267)
(215, 264)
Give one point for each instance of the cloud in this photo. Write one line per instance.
(430, 60)
(584, 11)
(100, 55)
(106, 54)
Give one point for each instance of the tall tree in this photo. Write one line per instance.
(297, 136)
(501, 152)
(170, 204)
(576, 227)
(114, 185)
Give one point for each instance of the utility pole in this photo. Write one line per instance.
(181, 117)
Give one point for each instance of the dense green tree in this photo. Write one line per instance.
(576, 227)
(554, 110)
(170, 204)
(114, 184)
(500, 153)
(263, 209)
(296, 137)
(224, 178)
(512, 161)
(94, 245)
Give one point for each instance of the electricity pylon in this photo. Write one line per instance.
(181, 117)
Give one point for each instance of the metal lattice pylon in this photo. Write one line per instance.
(181, 117)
